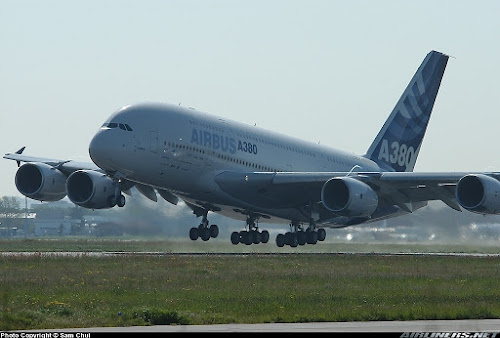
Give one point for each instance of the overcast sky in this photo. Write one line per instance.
(328, 71)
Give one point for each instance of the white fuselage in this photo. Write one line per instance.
(182, 150)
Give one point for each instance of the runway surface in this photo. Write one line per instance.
(140, 253)
(470, 325)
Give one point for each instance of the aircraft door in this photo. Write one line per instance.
(153, 141)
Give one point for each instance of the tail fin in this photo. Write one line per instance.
(397, 144)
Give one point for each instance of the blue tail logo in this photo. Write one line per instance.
(397, 144)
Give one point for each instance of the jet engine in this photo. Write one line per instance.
(91, 189)
(349, 197)
(479, 193)
(41, 182)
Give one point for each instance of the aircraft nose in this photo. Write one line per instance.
(101, 150)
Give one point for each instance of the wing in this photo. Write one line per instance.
(360, 195)
(45, 179)
(65, 166)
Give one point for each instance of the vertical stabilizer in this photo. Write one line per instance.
(397, 144)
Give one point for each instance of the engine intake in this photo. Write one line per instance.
(479, 193)
(349, 197)
(41, 182)
(91, 189)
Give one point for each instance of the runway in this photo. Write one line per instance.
(470, 325)
(141, 253)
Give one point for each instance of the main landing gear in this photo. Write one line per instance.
(117, 198)
(204, 231)
(297, 236)
(250, 236)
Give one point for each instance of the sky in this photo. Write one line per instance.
(324, 71)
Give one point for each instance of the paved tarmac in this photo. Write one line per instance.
(469, 325)
(140, 253)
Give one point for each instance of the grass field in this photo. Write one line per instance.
(86, 291)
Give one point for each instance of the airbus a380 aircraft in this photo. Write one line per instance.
(247, 173)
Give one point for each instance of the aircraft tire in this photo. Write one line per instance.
(255, 237)
(321, 235)
(264, 236)
(205, 234)
(248, 238)
(312, 237)
(301, 238)
(280, 240)
(235, 238)
(214, 231)
(245, 236)
(121, 201)
(194, 234)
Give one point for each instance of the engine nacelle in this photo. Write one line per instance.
(41, 182)
(91, 189)
(479, 193)
(349, 197)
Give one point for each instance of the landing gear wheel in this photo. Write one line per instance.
(205, 234)
(255, 237)
(294, 240)
(312, 237)
(194, 234)
(301, 237)
(264, 236)
(280, 240)
(121, 201)
(246, 237)
(321, 235)
(214, 231)
(235, 238)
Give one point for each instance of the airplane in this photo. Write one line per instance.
(254, 175)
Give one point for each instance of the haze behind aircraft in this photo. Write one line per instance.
(247, 173)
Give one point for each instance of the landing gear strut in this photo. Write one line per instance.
(204, 231)
(118, 198)
(252, 235)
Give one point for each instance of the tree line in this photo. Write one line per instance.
(10, 207)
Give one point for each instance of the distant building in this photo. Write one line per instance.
(52, 227)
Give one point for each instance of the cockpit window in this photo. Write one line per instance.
(122, 126)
